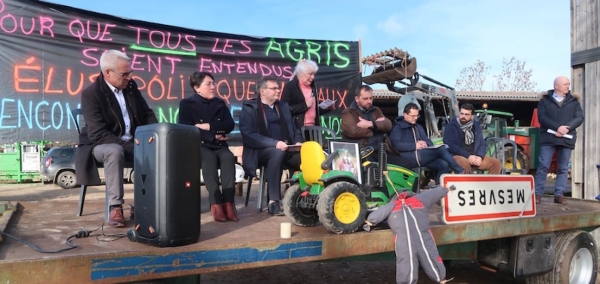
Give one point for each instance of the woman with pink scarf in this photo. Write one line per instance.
(302, 96)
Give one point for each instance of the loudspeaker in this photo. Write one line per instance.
(166, 185)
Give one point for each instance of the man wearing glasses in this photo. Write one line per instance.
(112, 108)
(267, 132)
(409, 139)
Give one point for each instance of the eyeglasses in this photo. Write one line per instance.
(414, 116)
(124, 75)
(274, 88)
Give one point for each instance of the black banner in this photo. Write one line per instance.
(49, 53)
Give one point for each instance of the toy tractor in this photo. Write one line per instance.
(323, 192)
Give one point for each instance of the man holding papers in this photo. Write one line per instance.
(267, 133)
(559, 113)
(410, 140)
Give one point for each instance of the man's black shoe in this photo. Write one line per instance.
(275, 209)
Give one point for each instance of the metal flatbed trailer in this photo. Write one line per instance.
(252, 242)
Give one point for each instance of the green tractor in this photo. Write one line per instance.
(501, 142)
(338, 196)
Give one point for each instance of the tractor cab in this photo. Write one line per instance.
(493, 122)
(495, 131)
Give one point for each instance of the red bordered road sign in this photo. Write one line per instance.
(487, 197)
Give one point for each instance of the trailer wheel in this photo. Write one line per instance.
(66, 179)
(576, 260)
(342, 207)
(302, 217)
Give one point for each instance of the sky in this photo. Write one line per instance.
(444, 36)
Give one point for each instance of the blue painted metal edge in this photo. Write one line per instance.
(139, 265)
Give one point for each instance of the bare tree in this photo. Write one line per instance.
(472, 78)
(514, 77)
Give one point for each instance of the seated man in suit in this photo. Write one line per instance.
(465, 141)
(267, 130)
(409, 139)
(112, 107)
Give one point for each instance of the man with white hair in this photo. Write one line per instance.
(112, 107)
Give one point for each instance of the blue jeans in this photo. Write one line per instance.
(440, 161)
(546, 153)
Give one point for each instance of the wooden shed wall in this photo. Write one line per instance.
(585, 80)
(585, 77)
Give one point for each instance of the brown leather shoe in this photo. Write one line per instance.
(230, 212)
(538, 199)
(115, 218)
(560, 200)
(218, 212)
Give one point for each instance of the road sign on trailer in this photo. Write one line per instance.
(488, 197)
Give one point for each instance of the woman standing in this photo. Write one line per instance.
(212, 116)
(300, 93)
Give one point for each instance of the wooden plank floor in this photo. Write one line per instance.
(252, 242)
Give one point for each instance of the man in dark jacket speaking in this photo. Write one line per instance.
(465, 141)
(559, 113)
(267, 132)
(112, 107)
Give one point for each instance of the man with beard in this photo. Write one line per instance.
(364, 122)
(465, 141)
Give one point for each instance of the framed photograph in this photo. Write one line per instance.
(348, 158)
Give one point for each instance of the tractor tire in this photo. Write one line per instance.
(522, 162)
(342, 207)
(576, 260)
(66, 180)
(302, 217)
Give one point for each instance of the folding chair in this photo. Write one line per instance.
(261, 189)
(420, 171)
(319, 134)
(75, 113)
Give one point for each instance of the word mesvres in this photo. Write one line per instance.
(491, 197)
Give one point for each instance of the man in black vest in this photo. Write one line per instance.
(267, 131)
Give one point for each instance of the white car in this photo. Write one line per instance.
(239, 174)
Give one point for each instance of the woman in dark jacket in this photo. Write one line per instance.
(212, 116)
(301, 92)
